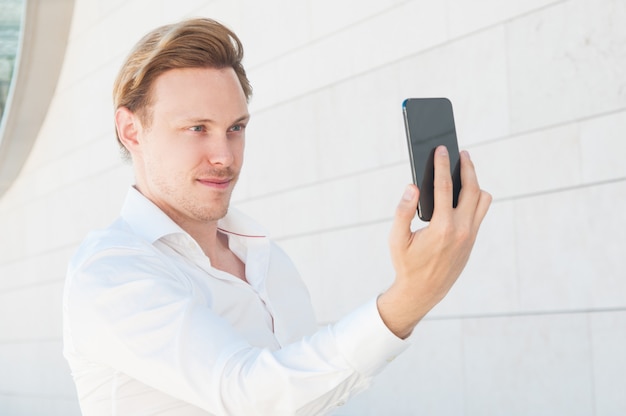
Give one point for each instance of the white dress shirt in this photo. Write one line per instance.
(151, 328)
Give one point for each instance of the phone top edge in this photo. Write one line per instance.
(407, 100)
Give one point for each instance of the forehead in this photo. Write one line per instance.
(179, 91)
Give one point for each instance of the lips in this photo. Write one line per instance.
(219, 183)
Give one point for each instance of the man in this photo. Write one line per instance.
(182, 306)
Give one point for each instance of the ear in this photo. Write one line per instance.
(128, 127)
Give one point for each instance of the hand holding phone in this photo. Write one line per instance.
(427, 261)
(429, 122)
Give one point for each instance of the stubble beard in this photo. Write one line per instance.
(208, 211)
(191, 206)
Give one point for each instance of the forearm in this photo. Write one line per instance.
(315, 374)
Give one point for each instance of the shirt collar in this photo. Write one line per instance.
(148, 221)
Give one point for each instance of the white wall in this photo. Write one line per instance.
(537, 323)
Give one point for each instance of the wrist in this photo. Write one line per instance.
(400, 311)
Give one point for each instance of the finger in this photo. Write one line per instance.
(484, 202)
(468, 170)
(470, 190)
(443, 181)
(405, 212)
(472, 197)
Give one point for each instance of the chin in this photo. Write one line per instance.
(212, 214)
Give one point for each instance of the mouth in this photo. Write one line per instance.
(215, 183)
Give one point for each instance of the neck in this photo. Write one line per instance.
(214, 244)
(208, 237)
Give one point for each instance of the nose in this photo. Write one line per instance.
(220, 150)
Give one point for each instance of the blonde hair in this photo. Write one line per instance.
(193, 43)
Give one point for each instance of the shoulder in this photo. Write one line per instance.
(116, 256)
(117, 240)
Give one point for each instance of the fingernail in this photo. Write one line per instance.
(443, 150)
(409, 193)
(467, 154)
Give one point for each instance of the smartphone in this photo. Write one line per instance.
(429, 122)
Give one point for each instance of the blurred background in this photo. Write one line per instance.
(536, 325)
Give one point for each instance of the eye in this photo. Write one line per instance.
(237, 128)
(197, 129)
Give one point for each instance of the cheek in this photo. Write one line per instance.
(175, 155)
(240, 153)
(238, 149)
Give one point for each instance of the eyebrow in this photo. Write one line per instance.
(194, 120)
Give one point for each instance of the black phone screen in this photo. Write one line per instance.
(429, 122)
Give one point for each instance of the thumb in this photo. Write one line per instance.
(405, 212)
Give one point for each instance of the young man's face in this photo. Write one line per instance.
(189, 158)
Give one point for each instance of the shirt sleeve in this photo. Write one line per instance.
(128, 310)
